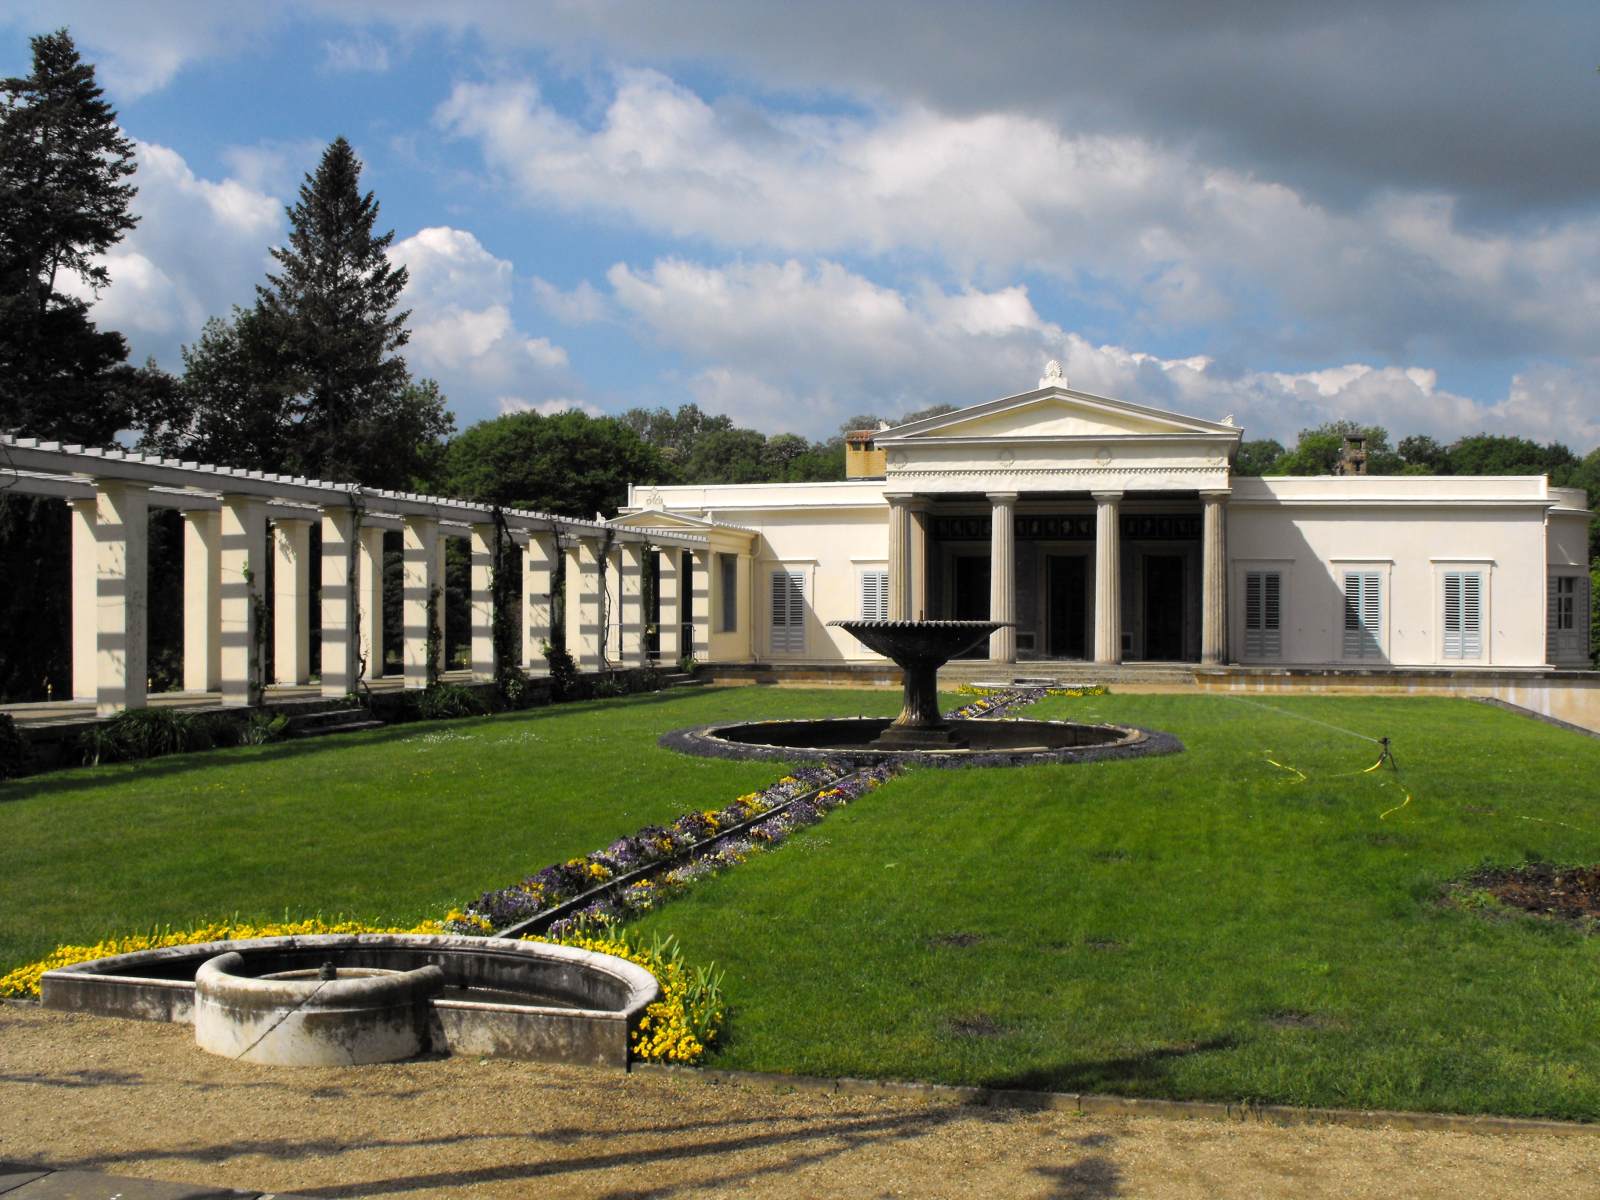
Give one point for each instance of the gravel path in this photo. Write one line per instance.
(139, 1099)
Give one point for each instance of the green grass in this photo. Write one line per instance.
(1200, 926)
(394, 826)
(1204, 925)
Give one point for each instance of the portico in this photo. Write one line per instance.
(1104, 523)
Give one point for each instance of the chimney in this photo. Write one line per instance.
(862, 458)
(1353, 457)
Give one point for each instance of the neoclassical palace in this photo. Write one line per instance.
(1111, 532)
(1098, 531)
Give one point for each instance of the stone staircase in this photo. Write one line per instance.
(325, 721)
(680, 679)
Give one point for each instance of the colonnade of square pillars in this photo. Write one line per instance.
(225, 558)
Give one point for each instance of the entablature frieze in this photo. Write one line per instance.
(1070, 527)
(1144, 477)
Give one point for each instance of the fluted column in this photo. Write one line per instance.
(480, 599)
(669, 574)
(291, 601)
(369, 593)
(899, 558)
(202, 600)
(122, 593)
(85, 601)
(1107, 578)
(538, 571)
(917, 514)
(1003, 575)
(1214, 576)
(244, 565)
(422, 597)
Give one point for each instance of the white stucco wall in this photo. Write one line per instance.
(1411, 530)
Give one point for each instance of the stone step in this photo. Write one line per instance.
(306, 724)
(677, 679)
(346, 727)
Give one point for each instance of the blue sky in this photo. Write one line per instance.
(796, 214)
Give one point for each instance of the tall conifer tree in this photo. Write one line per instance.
(64, 201)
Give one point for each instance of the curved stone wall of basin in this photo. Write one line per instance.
(498, 997)
(327, 1017)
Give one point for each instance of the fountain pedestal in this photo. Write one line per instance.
(919, 649)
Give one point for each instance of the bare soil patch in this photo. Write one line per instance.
(1570, 893)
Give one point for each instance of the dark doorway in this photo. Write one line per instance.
(1067, 589)
(970, 595)
(1163, 607)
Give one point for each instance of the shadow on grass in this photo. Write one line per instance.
(1130, 1073)
(64, 779)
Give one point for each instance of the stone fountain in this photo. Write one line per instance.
(920, 734)
(919, 649)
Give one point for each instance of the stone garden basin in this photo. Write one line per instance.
(392, 995)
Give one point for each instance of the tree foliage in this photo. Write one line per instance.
(310, 380)
(568, 463)
(64, 201)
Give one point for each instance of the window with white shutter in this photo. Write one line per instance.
(788, 612)
(1363, 614)
(874, 595)
(1263, 612)
(1463, 614)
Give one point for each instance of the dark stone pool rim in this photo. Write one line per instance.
(993, 743)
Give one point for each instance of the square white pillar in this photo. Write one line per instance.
(611, 650)
(244, 564)
(1107, 578)
(480, 600)
(702, 608)
(583, 584)
(1003, 575)
(630, 587)
(341, 568)
(424, 592)
(538, 574)
(85, 601)
(668, 583)
(122, 595)
(291, 601)
(917, 514)
(369, 595)
(202, 600)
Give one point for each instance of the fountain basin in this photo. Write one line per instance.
(326, 1017)
(979, 743)
(496, 997)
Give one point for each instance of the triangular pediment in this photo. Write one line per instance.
(652, 518)
(1054, 412)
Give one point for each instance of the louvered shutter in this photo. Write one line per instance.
(1463, 614)
(875, 595)
(1552, 620)
(1363, 614)
(1263, 595)
(1271, 614)
(788, 612)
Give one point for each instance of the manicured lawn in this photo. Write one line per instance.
(393, 826)
(1205, 925)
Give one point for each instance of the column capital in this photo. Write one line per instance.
(1001, 497)
(1107, 497)
(1211, 496)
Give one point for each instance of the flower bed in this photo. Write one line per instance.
(642, 895)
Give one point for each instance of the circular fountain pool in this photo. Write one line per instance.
(973, 743)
